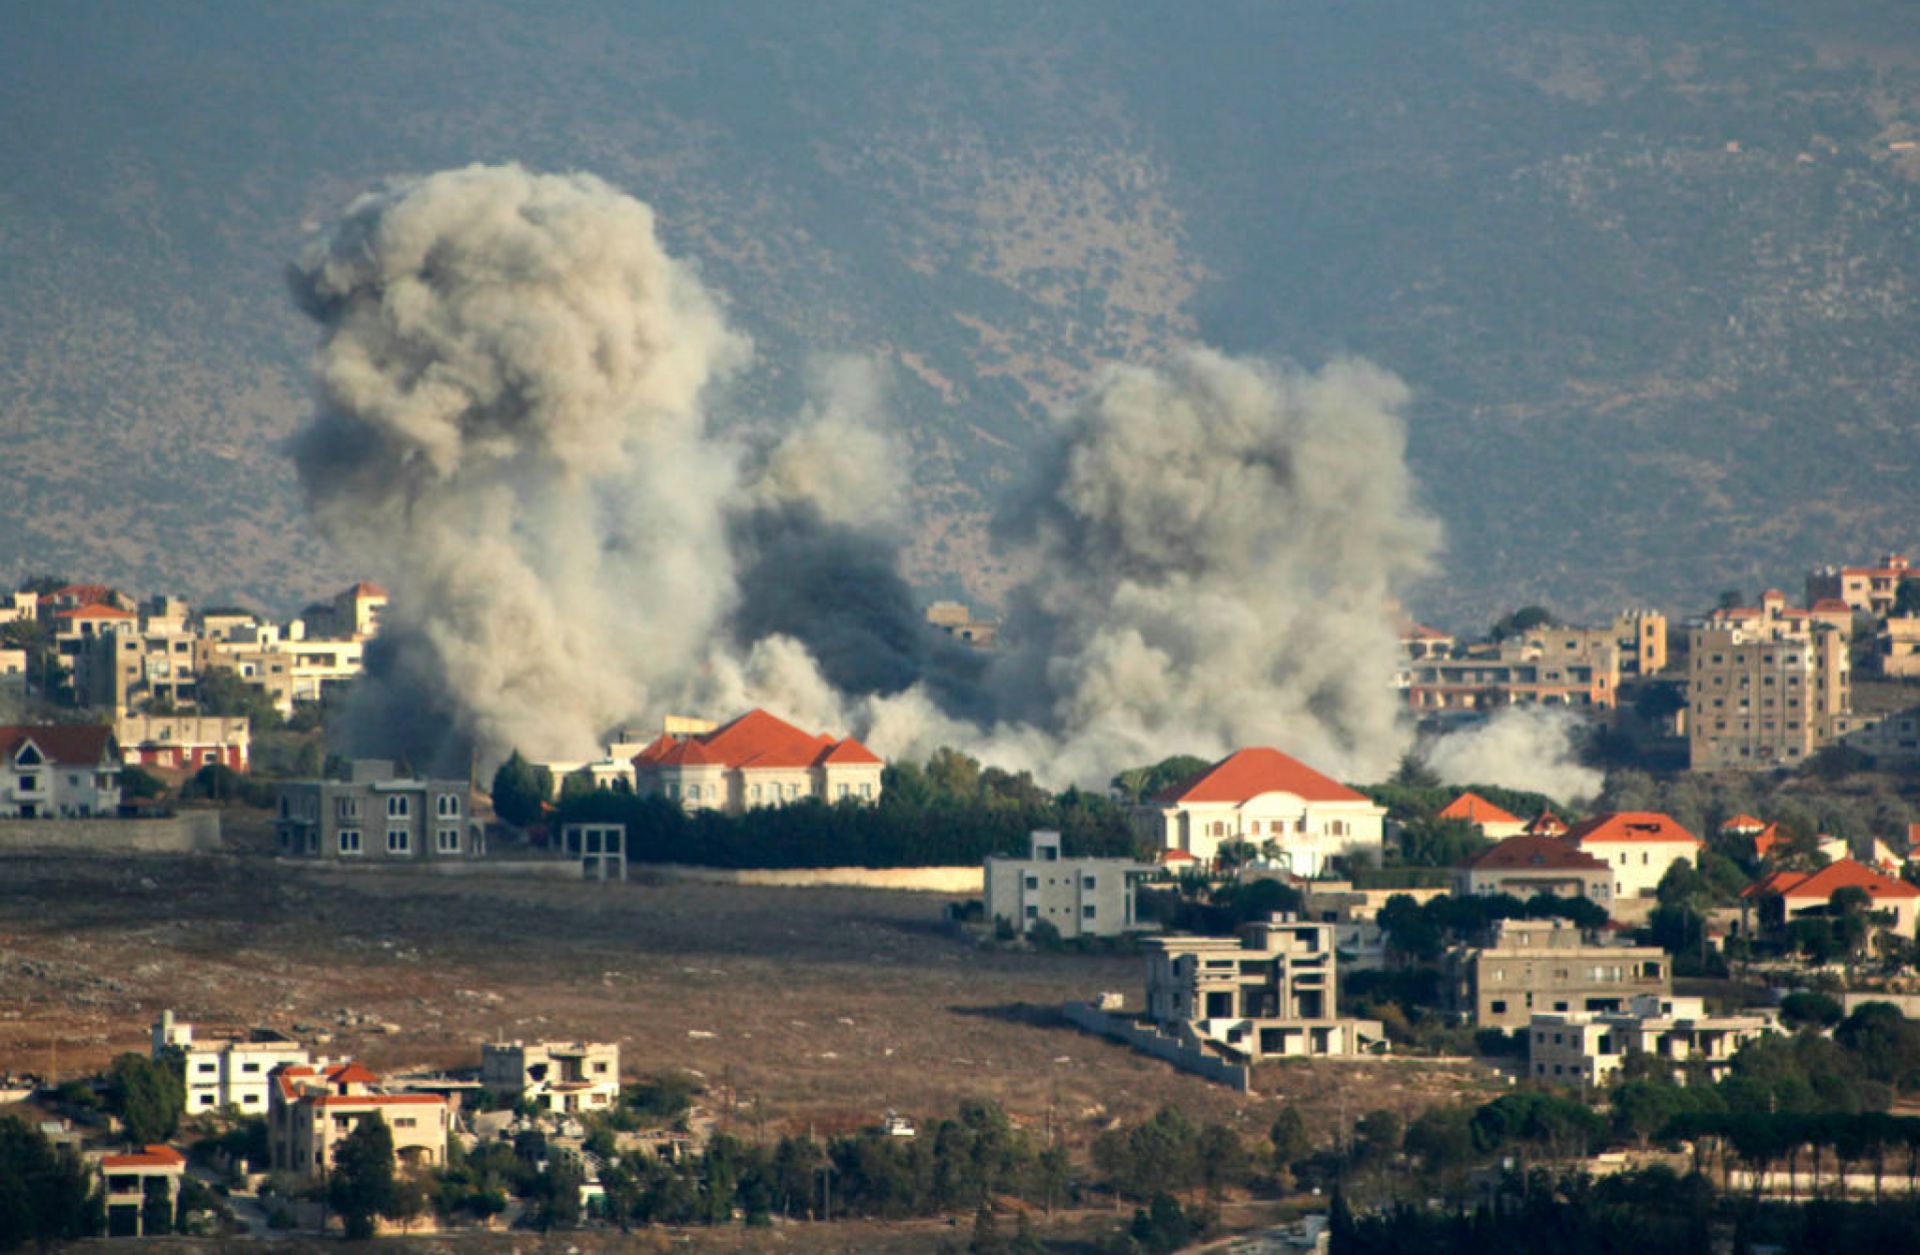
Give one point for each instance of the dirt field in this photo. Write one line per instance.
(800, 1007)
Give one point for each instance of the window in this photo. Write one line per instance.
(349, 840)
(29, 783)
(449, 842)
(447, 806)
(347, 808)
(399, 841)
(405, 1122)
(1498, 1006)
(205, 1068)
(1033, 882)
(1086, 912)
(846, 791)
(249, 1067)
(754, 793)
(398, 807)
(866, 790)
(1087, 882)
(1033, 912)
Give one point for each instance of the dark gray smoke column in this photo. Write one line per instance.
(510, 437)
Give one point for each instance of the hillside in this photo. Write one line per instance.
(1650, 274)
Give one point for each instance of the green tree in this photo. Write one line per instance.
(1906, 599)
(46, 1194)
(1222, 1159)
(137, 782)
(1808, 1009)
(518, 790)
(221, 691)
(1288, 1138)
(1140, 783)
(986, 1239)
(148, 1097)
(361, 1186)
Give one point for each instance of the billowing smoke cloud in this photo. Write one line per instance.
(515, 381)
(511, 437)
(1521, 747)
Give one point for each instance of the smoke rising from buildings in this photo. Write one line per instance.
(1521, 747)
(515, 383)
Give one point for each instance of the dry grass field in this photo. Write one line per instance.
(801, 1008)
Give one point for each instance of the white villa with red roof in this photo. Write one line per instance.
(1638, 845)
(1494, 824)
(1783, 895)
(56, 771)
(1260, 796)
(756, 760)
(312, 1110)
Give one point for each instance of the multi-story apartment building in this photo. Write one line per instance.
(184, 742)
(555, 1076)
(1867, 590)
(1265, 799)
(1579, 1048)
(312, 1110)
(756, 760)
(375, 814)
(1549, 965)
(1768, 685)
(1551, 666)
(1272, 992)
(1081, 897)
(58, 771)
(224, 1070)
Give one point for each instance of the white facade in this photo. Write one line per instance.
(1589, 1049)
(1296, 817)
(1639, 866)
(222, 1072)
(1091, 897)
(58, 772)
(554, 1076)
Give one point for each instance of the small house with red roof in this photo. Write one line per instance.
(1638, 845)
(1269, 801)
(1493, 822)
(1526, 866)
(758, 759)
(1783, 895)
(311, 1110)
(124, 1181)
(59, 771)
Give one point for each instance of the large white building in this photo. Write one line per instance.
(1267, 800)
(756, 760)
(1638, 846)
(1090, 897)
(59, 771)
(224, 1071)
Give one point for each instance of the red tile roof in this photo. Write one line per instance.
(64, 744)
(1630, 826)
(1823, 884)
(1767, 840)
(1527, 853)
(755, 741)
(153, 1156)
(1473, 807)
(1246, 774)
(95, 611)
(1830, 605)
(367, 588)
(1742, 824)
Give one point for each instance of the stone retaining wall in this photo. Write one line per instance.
(185, 833)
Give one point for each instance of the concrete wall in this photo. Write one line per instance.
(1159, 1045)
(520, 869)
(182, 834)
(919, 879)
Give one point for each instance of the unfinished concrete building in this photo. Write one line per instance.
(1549, 965)
(555, 1076)
(1270, 993)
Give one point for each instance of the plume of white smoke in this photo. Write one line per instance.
(511, 437)
(514, 380)
(1217, 541)
(1520, 747)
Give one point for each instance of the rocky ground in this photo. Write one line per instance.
(815, 1008)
